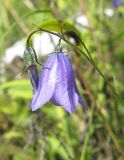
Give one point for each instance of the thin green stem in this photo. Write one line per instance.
(88, 57)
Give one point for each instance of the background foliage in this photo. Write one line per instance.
(50, 133)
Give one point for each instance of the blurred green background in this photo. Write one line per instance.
(50, 133)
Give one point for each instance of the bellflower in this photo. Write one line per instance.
(116, 3)
(33, 76)
(57, 84)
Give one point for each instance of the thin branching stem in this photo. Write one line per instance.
(88, 57)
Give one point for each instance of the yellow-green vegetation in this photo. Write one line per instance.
(97, 55)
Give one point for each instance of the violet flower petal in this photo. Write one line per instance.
(47, 83)
(116, 3)
(82, 103)
(64, 93)
(54, 101)
(71, 80)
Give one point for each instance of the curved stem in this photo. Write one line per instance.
(27, 44)
(88, 57)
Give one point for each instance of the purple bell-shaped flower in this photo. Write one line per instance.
(57, 84)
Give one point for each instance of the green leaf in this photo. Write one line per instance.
(55, 25)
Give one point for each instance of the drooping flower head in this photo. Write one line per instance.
(30, 63)
(57, 84)
(33, 76)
